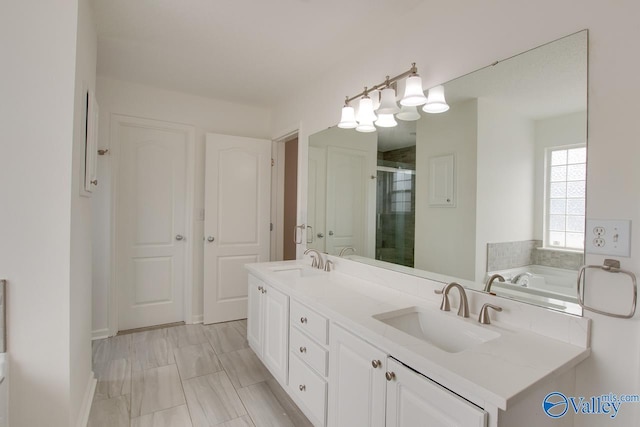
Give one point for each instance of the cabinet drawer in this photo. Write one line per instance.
(309, 321)
(309, 351)
(310, 388)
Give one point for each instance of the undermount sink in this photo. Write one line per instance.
(443, 330)
(297, 271)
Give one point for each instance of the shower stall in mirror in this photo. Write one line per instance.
(395, 210)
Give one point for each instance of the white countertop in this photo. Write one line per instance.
(496, 372)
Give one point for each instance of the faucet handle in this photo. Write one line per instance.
(327, 265)
(314, 261)
(484, 313)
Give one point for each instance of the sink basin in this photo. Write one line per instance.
(297, 271)
(443, 330)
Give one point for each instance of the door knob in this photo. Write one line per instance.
(210, 239)
(179, 237)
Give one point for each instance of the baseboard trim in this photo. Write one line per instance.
(85, 409)
(99, 334)
(197, 318)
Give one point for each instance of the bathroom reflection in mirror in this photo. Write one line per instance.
(495, 185)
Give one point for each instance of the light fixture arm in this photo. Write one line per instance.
(386, 83)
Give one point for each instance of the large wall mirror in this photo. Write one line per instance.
(494, 185)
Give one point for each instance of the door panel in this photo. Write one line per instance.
(151, 210)
(356, 388)
(237, 217)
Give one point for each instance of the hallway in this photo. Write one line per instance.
(188, 375)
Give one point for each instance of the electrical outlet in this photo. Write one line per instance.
(608, 237)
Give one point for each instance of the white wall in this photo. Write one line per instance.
(504, 211)
(81, 241)
(206, 115)
(562, 130)
(38, 48)
(452, 38)
(445, 237)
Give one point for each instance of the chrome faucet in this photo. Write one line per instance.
(463, 309)
(487, 287)
(317, 262)
(345, 249)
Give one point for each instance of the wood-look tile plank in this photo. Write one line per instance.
(196, 360)
(264, 407)
(244, 368)
(173, 417)
(225, 337)
(109, 349)
(151, 349)
(241, 326)
(155, 389)
(244, 421)
(291, 409)
(114, 379)
(181, 336)
(110, 412)
(212, 400)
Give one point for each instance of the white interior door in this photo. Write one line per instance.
(317, 198)
(237, 208)
(348, 211)
(151, 223)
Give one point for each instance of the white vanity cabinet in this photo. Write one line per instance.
(367, 388)
(414, 400)
(268, 326)
(309, 360)
(356, 381)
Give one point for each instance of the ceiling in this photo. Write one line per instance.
(247, 51)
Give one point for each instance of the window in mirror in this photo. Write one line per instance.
(566, 178)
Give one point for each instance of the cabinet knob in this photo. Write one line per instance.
(302, 387)
(210, 239)
(264, 290)
(260, 288)
(303, 349)
(303, 320)
(179, 237)
(376, 363)
(94, 182)
(390, 376)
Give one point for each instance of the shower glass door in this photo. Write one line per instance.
(395, 213)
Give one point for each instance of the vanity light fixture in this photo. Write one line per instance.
(348, 119)
(381, 99)
(366, 116)
(408, 114)
(435, 101)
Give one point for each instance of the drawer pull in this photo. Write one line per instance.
(303, 320)
(376, 363)
(390, 376)
(302, 387)
(303, 349)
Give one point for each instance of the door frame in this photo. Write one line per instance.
(277, 192)
(116, 120)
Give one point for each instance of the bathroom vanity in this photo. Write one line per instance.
(365, 346)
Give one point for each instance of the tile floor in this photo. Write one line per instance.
(188, 375)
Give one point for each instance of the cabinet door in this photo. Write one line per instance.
(254, 315)
(275, 347)
(414, 400)
(356, 387)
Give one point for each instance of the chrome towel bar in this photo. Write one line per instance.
(611, 266)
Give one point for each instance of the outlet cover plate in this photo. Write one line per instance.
(608, 237)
